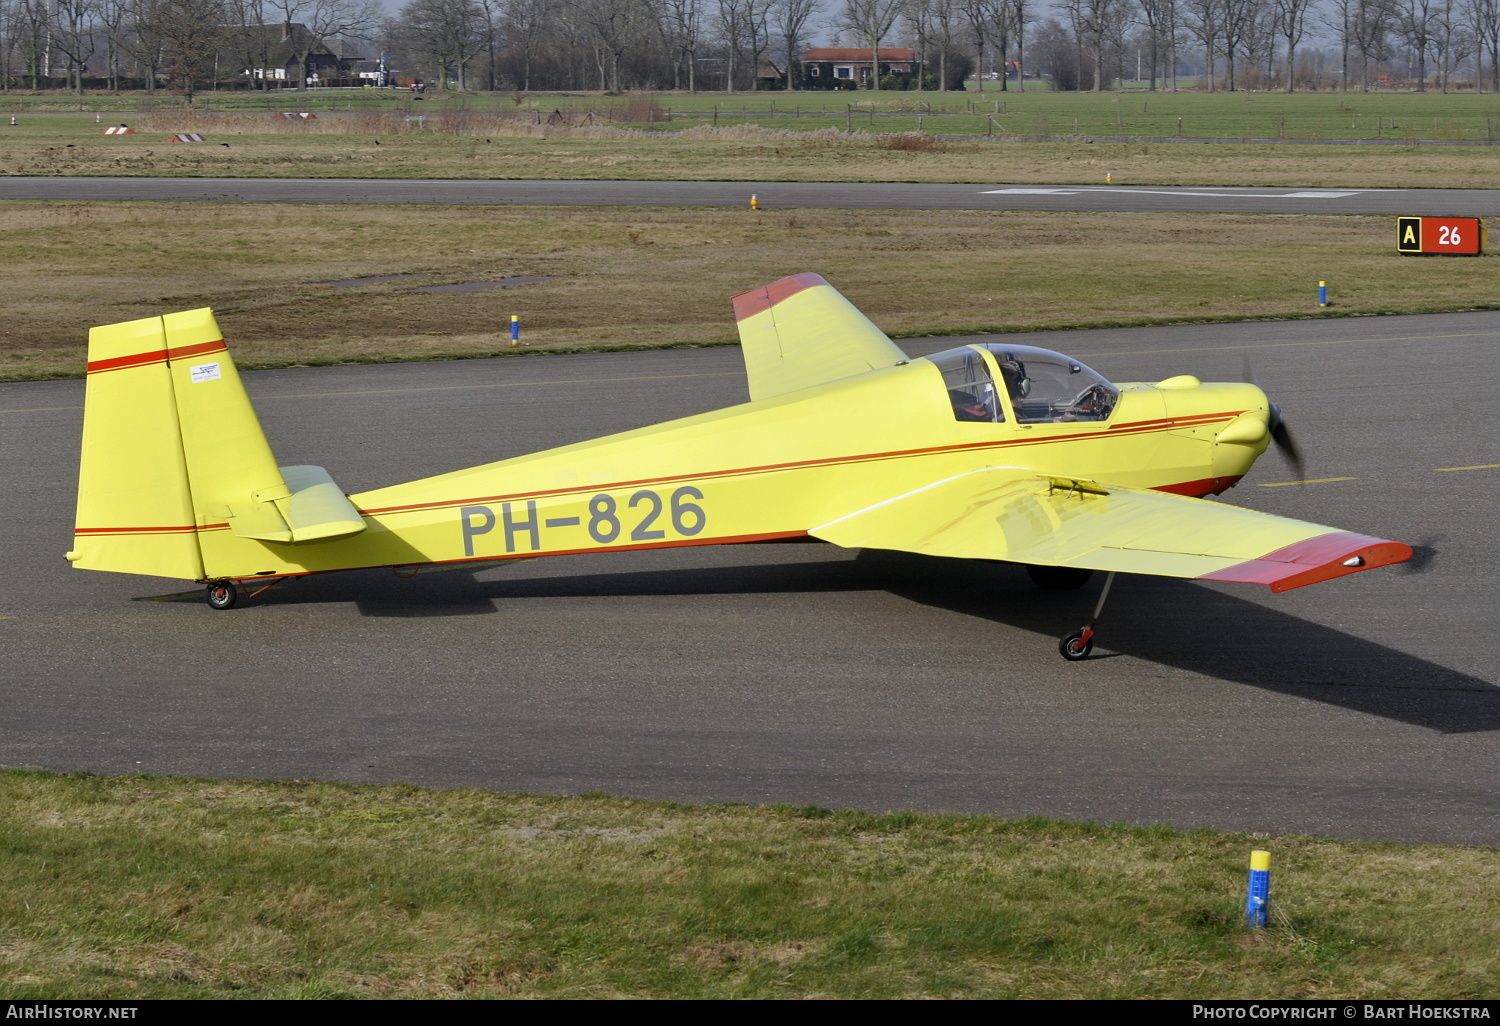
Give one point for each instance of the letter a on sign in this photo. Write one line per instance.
(1408, 234)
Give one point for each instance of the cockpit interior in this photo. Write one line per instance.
(1042, 387)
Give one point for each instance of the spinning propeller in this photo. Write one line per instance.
(1281, 435)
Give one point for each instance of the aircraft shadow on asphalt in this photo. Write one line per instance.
(1160, 620)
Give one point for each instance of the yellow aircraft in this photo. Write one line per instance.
(993, 451)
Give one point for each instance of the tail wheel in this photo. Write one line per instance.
(222, 594)
(1077, 646)
(1058, 578)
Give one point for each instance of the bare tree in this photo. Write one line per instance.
(1370, 27)
(33, 20)
(1484, 21)
(1020, 16)
(1153, 13)
(871, 21)
(191, 33)
(732, 17)
(1001, 27)
(1291, 22)
(73, 35)
(918, 17)
(680, 24)
(525, 23)
(613, 26)
(1093, 23)
(790, 18)
(979, 14)
(1452, 43)
(1237, 26)
(945, 21)
(1414, 20)
(446, 35)
(1205, 19)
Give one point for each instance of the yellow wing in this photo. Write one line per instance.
(799, 332)
(1011, 513)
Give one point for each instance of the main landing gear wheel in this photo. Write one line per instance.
(222, 594)
(1077, 646)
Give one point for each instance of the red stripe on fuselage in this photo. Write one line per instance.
(175, 529)
(1115, 432)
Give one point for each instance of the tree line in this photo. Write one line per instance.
(698, 45)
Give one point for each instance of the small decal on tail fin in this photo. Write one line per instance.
(205, 372)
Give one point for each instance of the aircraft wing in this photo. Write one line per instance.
(799, 332)
(1013, 514)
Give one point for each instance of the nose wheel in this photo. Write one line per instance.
(1076, 647)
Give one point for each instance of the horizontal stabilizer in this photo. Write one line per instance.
(316, 509)
(309, 508)
(799, 332)
(1009, 513)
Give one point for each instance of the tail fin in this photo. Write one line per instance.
(135, 509)
(172, 451)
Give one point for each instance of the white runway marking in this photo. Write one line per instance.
(1076, 190)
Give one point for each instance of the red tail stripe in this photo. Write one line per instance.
(156, 356)
(133, 360)
(197, 349)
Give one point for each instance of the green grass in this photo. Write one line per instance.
(478, 145)
(625, 278)
(1310, 116)
(153, 887)
(1385, 115)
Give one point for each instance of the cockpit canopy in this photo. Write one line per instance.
(1044, 387)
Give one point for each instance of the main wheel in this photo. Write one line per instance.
(1074, 647)
(1058, 578)
(222, 595)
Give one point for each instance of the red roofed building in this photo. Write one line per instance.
(852, 63)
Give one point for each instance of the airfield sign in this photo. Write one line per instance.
(1444, 236)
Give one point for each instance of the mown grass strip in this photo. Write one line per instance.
(466, 145)
(1128, 112)
(164, 887)
(626, 278)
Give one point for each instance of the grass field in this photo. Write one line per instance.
(625, 277)
(469, 137)
(153, 887)
(1465, 116)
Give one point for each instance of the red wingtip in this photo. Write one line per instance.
(1323, 558)
(748, 304)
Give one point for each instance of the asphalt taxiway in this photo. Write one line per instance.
(807, 674)
(771, 195)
